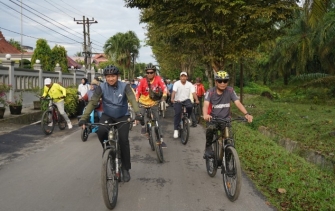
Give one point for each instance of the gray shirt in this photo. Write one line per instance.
(219, 105)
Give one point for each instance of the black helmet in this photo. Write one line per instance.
(150, 67)
(111, 70)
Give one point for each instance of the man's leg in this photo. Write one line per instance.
(209, 139)
(60, 106)
(154, 110)
(103, 131)
(123, 133)
(177, 118)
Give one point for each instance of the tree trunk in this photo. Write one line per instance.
(241, 81)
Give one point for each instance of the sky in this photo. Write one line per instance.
(53, 20)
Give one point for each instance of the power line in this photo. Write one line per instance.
(45, 19)
(41, 24)
(36, 37)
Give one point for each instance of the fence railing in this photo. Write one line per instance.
(26, 79)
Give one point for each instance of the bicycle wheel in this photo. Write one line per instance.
(47, 123)
(232, 174)
(132, 117)
(151, 142)
(109, 181)
(197, 113)
(61, 122)
(84, 134)
(158, 147)
(211, 162)
(163, 109)
(185, 131)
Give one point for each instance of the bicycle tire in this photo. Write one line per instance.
(197, 114)
(109, 180)
(158, 147)
(84, 134)
(232, 174)
(46, 121)
(212, 162)
(61, 122)
(185, 133)
(151, 142)
(132, 117)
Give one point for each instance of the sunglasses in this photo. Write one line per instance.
(150, 72)
(220, 81)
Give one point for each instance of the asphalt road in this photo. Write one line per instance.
(60, 172)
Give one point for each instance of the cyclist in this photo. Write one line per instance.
(217, 104)
(115, 96)
(169, 86)
(87, 97)
(58, 93)
(182, 90)
(83, 88)
(200, 90)
(156, 83)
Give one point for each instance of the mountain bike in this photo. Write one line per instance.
(52, 116)
(94, 117)
(162, 108)
(111, 173)
(152, 128)
(225, 157)
(131, 116)
(184, 125)
(196, 110)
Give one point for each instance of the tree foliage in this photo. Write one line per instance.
(43, 53)
(59, 56)
(15, 44)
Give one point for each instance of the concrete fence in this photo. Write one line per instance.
(26, 79)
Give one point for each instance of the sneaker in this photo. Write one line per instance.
(69, 125)
(163, 144)
(126, 175)
(143, 131)
(175, 134)
(194, 125)
(50, 124)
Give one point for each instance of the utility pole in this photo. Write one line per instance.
(89, 48)
(84, 47)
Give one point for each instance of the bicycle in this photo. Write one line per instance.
(197, 114)
(111, 172)
(131, 115)
(184, 125)
(94, 117)
(52, 116)
(225, 157)
(162, 108)
(154, 134)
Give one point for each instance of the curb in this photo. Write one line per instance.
(24, 118)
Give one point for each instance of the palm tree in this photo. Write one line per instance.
(121, 48)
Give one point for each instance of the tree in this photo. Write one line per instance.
(59, 56)
(121, 47)
(42, 52)
(15, 44)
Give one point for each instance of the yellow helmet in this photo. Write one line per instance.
(221, 75)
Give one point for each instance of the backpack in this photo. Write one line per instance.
(154, 95)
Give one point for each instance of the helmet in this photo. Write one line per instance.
(150, 67)
(111, 70)
(221, 75)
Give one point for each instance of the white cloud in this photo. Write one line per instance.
(112, 17)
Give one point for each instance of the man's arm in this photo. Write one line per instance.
(195, 97)
(93, 103)
(131, 98)
(172, 96)
(207, 117)
(243, 110)
(63, 90)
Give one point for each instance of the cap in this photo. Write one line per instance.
(183, 73)
(139, 77)
(47, 81)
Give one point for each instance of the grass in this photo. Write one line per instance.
(287, 180)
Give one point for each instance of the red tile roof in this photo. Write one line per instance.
(5, 47)
(71, 62)
(99, 58)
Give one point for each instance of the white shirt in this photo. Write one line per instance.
(183, 91)
(83, 89)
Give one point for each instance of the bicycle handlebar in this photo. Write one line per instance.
(108, 124)
(50, 98)
(227, 120)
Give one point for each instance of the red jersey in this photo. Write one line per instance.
(142, 90)
(199, 90)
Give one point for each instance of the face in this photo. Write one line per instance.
(150, 74)
(48, 85)
(221, 84)
(82, 81)
(111, 79)
(183, 78)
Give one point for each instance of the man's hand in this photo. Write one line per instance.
(197, 102)
(249, 117)
(207, 117)
(164, 98)
(172, 101)
(63, 97)
(82, 123)
(139, 117)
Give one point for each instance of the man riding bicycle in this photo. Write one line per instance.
(156, 84)
(182, 90)
(58, 93)
(217, 104)
(115, 96)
